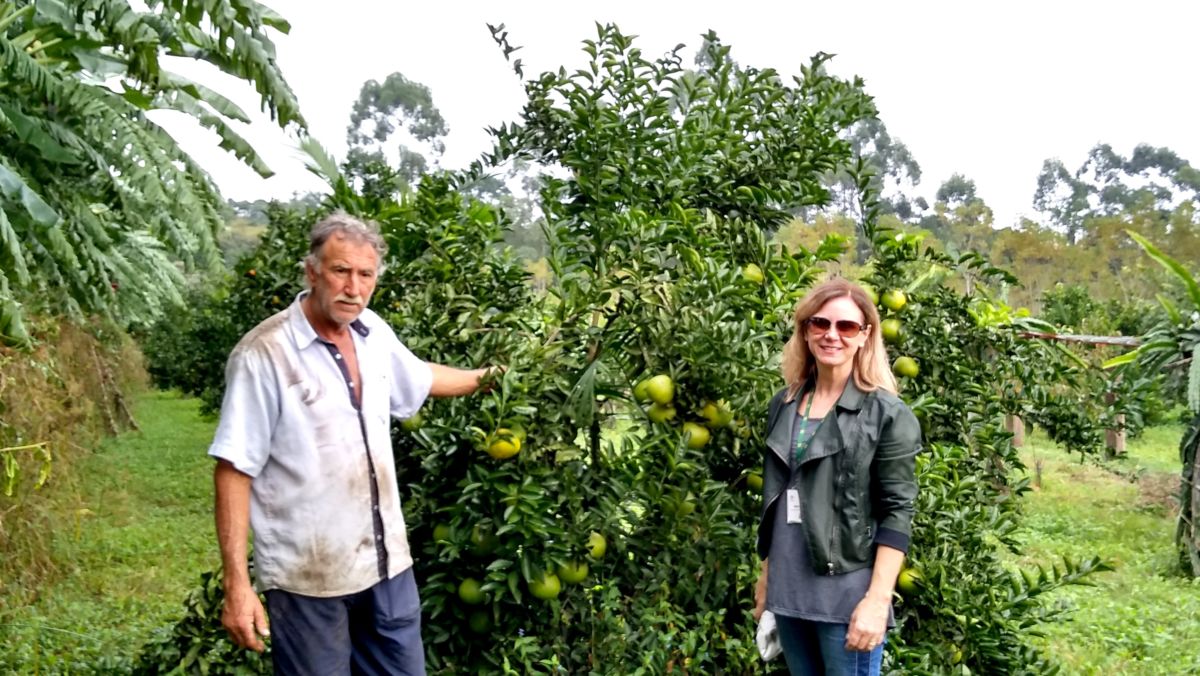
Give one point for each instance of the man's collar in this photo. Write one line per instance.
(303, 330)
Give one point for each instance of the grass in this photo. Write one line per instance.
(131, 543)
(1143, 618)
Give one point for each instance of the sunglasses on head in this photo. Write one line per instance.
(846, 328)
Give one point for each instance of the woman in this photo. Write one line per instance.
(838, 488)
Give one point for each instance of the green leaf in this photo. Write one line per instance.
(137, 97)
(319, 161)
(14, 188)
(31, 131)
(1167, 304)
(219, 103)
(12, 242)
(581, 402)
(1189, 282)
(232, 141)
(1120, 360)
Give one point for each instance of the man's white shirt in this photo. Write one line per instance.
(288, 421)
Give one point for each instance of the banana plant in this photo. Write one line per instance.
(101, 211)
(1176, 344)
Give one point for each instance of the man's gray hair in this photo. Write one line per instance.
(345, 225)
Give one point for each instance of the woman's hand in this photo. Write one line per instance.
(760, 593)
(868, 623)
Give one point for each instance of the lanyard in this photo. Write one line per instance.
(802, 439)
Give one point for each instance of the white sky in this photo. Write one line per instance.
(989, 90)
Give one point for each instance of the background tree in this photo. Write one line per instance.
(98, 202)
(385, 119)
(891, 172)
(1107, 184)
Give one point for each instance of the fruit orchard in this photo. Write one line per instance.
(595, 511)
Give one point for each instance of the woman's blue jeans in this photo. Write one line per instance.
(819, 649)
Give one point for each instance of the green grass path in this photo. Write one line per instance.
(134, 540)
(1143, 618)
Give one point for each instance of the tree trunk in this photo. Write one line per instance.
(1191, 532)
(1015, 425)
(1187, 534)
(1114, 438)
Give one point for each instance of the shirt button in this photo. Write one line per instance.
(378, 538)
(375, 507)
(337, 356)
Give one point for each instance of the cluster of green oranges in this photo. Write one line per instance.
(892, 330)
(502, 444)
(659, 391)
(546, 585)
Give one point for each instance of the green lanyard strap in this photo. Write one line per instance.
(802, 438)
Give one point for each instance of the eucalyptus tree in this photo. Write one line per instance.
(101, 211)
(1108, 184)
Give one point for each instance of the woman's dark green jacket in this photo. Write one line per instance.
(857, 478)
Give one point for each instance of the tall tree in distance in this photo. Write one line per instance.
(396, 133)
(956, 191)
(1108, 184)
(960, 218)
(891, 172)
(97, 202)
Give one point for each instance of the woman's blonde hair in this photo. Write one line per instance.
(871, 369)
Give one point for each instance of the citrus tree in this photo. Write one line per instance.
(97, 202)
(963, 367)
(564, 524)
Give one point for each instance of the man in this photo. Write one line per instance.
(304, 457)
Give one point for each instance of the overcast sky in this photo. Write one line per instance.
(989, 90)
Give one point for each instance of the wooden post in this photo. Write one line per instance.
(1114, 438)
(1015, 425)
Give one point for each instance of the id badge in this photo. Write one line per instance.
(793, 505)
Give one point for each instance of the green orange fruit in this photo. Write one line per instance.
(891, 329)
(546, 586)
(573, 572)
(412, 423)
(906, 367)
(908, 581)
(480, 621)
(441, 532)
(470, 591)
(696, 435)
(716, 413)
(753, 274)
(894, 299)
(661, 389)
(483, 541)
(660, 414)
(754, 481)
(504, 444)
(597, 545)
